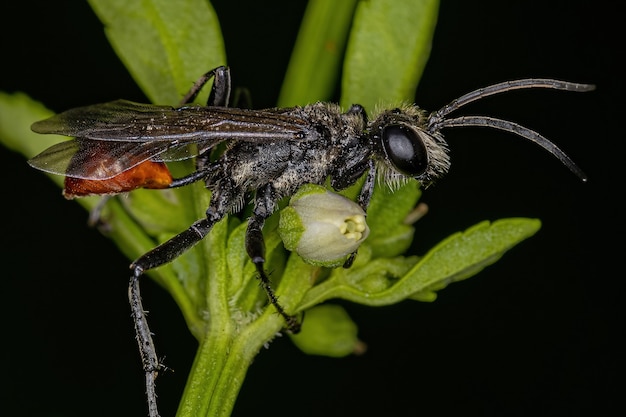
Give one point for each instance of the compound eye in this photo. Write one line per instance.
(405, 150)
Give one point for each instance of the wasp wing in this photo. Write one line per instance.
(127, 121)
(116, 136)
(101, 160)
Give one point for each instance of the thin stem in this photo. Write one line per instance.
(242, 352)
(203, 387)
(221, 364)
(316, 59)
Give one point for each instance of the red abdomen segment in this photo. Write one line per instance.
(148, 174)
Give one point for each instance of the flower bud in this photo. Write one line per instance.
(323, 227)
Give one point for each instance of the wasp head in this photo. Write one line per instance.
(406, 149)
(409, 142)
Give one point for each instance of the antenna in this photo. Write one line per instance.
(437, 120)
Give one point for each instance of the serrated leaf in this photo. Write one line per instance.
(463, 255)
(457, 257)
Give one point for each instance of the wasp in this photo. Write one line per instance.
(121, 146)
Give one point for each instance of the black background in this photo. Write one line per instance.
(537, 334)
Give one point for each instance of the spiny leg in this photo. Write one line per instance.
(174, 247)
(264, 205)
(158, 256)
(95, 215)
(149, 358)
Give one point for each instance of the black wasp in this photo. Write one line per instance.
(121, 145)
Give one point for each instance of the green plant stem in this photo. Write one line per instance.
(229, 347)
(203, 390)
(221, 364)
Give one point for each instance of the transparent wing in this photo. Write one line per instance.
(116, 136)
(101, 160)
(127, 121)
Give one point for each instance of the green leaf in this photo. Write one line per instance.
(17, 113)
(387, 51)
(463, 255)
(328, 331)
(389, 234)
(165, 45)
(387, 281)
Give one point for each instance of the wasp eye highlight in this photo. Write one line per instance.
(405, 150)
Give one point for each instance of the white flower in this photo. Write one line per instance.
(323, 227)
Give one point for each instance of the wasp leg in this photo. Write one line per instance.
(95, 215)
(149, 358)
(368, 186)
(160, 255)
(163, 254)
(201, 174)
(220, 92)
(264, 205)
